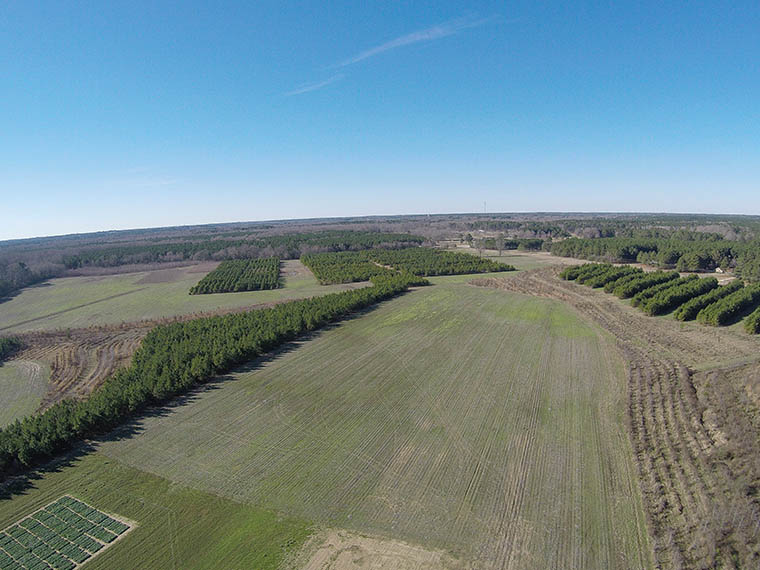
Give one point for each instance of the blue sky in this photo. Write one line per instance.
(136, 114)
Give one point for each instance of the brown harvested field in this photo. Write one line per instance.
(693, 414)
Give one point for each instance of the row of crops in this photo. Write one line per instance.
(63, 534)
(241, 275)
(661, 292)
(346, 267)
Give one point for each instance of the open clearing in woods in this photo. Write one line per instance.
(77, 302)
(485, 423)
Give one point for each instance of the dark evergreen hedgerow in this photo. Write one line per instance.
(613, 274)
(8, 345)
(241, 275)
(689, 310)
(671, 298)
(643, 296)
(644, 282)
(752, 322)
(725, 310)
(174, 358)
(610, 287)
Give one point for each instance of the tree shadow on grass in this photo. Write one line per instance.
(26, 481)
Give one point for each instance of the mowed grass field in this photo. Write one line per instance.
(76, 302)
(483, 422)
(23, 384)
(176, 528)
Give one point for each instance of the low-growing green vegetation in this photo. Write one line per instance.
(175, 357)
(689, 310)
(63, 534)
(241, 275)
(730, 307)
(426, 421)
(175, 527)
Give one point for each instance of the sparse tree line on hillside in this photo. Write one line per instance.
(689, 297)
(347, 267)
(240, 275)
(174, 358)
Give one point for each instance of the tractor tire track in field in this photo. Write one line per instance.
(429, 420)
(694, 433)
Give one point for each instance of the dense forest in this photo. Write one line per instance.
(422, 261)
(240, 275)
(174, 358)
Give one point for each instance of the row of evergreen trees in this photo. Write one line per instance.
(679, 254)
(175, 357)
(241, 275)
(660, 292)
(346, 267)
(343, 267)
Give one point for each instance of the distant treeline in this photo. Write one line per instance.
(520, 244)
(288, 246)
(240, 275)
(23, 265)
(174, 358)
(17, 275)
(347, 267)
(705, 254)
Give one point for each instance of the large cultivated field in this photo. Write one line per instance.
(694, 405)
(484, 423)
(77, 302)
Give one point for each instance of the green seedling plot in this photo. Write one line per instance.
(60, 536)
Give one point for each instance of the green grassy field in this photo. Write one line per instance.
(85, 301)
(23, 384)
(176, 528)
(486, 423)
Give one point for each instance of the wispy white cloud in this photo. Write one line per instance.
(443, 30)
(315, 86)
(429, 34)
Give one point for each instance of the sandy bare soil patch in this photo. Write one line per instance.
(343, 550)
